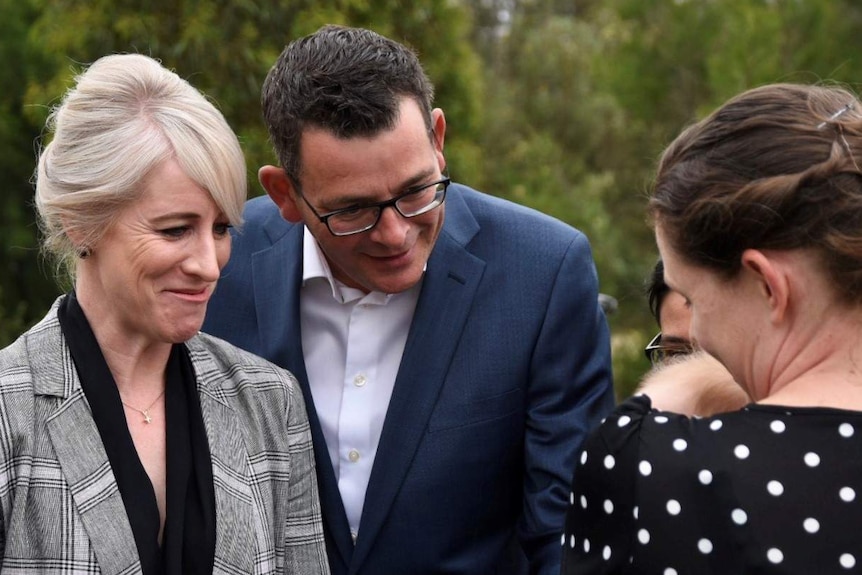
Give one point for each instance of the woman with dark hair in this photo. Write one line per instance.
(758, 218)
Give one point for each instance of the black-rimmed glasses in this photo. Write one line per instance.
(355, 220)
(658, 351)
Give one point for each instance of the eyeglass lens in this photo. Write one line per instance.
(411, 204)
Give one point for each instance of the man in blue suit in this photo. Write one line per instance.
(451, 367)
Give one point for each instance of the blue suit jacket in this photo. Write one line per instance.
(506, 367)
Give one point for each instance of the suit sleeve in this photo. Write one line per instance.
(570, 391)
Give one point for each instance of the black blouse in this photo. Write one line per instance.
(188, 545)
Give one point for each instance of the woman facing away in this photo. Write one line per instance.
(758, 218)
(130, 442)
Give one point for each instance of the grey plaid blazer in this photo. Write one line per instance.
(60, 508)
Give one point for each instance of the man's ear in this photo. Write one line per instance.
(771, 279)
(279, 187)
(438, 125)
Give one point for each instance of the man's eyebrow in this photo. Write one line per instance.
(419, 180)
(411, 184)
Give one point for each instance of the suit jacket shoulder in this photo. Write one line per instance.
(470, 212)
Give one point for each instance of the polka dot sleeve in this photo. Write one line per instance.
(599, 531)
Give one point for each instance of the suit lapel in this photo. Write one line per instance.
(449, 286)
(80, 453)
(277, 277)
(277, 281)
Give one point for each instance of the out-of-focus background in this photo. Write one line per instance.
(562, 105)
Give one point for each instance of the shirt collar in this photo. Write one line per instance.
(315, 266)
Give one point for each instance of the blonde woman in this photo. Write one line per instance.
(129, 442)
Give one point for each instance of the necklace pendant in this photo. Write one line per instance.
(147, 417)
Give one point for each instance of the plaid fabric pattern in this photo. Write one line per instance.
(60, 508)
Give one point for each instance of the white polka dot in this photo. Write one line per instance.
(846, 430)
(812, 459)
(586, 545)
(660, 419)
(571, 498)
(679, 444)
(705, 476)
(741, 451)
(583, 457)
(670, 571)
(609, 506)
(635, 512)
(811, 525)
(847, 561)
(775, 488)
(847, 494)
(704, 546)
(645, 467)
(572, 542)
(610, 461)
(563, 540)
(716, 425)
(673, 507)
(624, 420)
(777, 426)
(739, 516)
(606, 553)
(775, 555)
(583, 502)
(643, 536)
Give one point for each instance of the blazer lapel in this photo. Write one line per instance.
(277, 281)
(449, 286)
(85, 466)
(235, 530)
(81, 455)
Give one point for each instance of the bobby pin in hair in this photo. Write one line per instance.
(836, 115)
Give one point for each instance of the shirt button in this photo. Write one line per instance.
(359, 380)
(353, 455)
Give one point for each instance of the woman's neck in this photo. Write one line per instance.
(825, 369)
(136, 362)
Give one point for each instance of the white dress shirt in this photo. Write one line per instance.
(352, 343)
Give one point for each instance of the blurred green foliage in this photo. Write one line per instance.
(560, 105)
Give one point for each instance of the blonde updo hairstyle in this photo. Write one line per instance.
(125, 116)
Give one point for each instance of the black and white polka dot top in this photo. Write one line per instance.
(765, 489)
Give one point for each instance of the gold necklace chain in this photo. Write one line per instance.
(144, 412)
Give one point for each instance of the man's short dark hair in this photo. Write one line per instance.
(347, 81)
